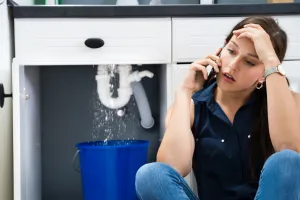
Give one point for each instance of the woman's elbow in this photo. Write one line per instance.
(293, 145)
(182, 167)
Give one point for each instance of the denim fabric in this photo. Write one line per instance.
(279, 180)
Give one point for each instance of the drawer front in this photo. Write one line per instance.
(194, 38)
(63, 40)
(290, 24)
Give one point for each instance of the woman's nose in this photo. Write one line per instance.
(233, 65)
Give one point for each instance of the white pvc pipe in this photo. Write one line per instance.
(103, 87)
(142, 102)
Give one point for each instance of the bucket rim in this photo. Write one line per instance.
(89, 144)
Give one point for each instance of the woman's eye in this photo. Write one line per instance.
(230, 51)
(249, 63)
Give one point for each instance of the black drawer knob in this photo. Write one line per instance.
(94, 43)
(3, 95)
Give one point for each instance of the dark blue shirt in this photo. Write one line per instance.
(221, 160)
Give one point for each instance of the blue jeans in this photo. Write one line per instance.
(279, 180)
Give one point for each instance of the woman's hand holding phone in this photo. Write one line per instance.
(197, 73)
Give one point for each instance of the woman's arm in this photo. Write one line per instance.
(283, 107)
(283, 114)
(178, 145)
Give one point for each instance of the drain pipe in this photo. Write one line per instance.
(128, 82)
(142, 102)
(103, 87)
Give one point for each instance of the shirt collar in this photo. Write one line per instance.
(207, 95)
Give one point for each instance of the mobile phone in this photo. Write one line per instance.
(211, 74)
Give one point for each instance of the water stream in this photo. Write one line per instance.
(112, 124)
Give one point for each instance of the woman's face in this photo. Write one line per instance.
(241, 69)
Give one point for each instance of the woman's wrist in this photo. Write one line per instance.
(271, 62)
(184, 91)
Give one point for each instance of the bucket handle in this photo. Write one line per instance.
(76, 167)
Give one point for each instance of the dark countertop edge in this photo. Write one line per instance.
(66, 11)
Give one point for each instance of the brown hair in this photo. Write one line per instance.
(261, 146)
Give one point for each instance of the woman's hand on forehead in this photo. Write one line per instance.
(262, 43)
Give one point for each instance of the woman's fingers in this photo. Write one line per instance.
(217, 60)
(218, 51)
(212, 61)
(198, 67)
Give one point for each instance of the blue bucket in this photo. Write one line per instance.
(108, 168)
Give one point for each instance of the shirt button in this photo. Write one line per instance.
(222, 140)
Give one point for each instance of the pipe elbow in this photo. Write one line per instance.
(104, 94)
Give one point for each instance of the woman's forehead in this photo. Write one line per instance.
(244, 44)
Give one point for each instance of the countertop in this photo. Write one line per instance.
(216, 10)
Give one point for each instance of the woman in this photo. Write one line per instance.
(240, 134)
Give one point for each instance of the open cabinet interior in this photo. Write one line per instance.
(59, 107)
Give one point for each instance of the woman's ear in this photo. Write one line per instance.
(261, 79)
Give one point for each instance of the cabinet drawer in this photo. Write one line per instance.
(194, 38)
(290, 24)
(63, 40)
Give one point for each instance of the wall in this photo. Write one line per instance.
(71, 114)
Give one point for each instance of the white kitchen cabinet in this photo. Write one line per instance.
(125, 40)
(292, 69)
(179, 72)
(6, 164)
(194, 38)
(53, 68)
(290, 25)
(55, 98)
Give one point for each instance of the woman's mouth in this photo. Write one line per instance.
(228, 78)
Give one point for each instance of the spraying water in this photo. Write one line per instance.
(113, 124)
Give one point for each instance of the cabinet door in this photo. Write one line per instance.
(292, 69)
(179, 72)
(6, 172)
(26, 124)
(290, 24)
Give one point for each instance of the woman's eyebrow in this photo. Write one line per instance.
(235, 44)
(250, 54)
(253, 55)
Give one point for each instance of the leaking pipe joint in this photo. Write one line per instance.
(103, 87)
(129, 84)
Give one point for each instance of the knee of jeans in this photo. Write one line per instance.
(285, 163)
(153, 174)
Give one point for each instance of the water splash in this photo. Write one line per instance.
(114, 124)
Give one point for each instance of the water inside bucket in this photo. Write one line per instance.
(109, 143)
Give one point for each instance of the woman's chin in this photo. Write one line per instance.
(224, 86)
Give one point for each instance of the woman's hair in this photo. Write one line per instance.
(261, 146)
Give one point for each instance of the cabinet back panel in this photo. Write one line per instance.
(68, 108)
